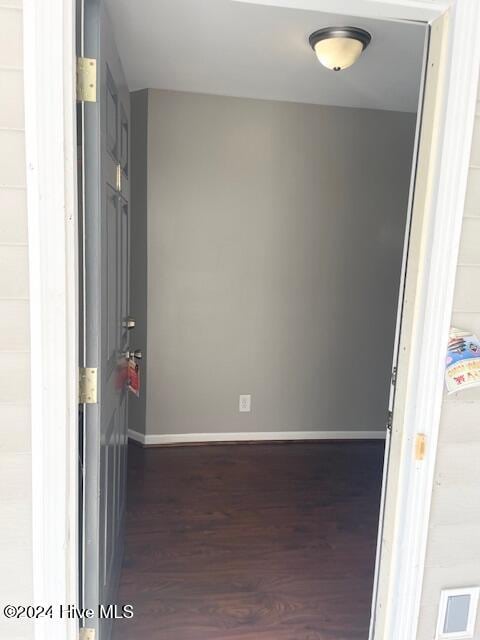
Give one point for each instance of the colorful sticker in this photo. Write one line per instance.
(463, 361)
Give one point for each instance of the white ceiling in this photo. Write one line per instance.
(235, 49)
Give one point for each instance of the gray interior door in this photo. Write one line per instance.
(106, 301)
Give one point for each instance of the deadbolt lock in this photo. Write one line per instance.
(129, 323)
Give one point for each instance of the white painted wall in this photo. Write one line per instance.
(453, 552)
(275, 233)
(15, 453)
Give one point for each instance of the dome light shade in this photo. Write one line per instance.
(339, 47)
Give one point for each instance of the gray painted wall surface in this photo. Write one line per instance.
(15, 448)
(275, 233)
(453, 550)
(138, 247)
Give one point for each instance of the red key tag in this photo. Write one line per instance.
(134, 377)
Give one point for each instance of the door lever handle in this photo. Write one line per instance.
(136, 354)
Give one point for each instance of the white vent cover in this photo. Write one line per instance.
(457, 613)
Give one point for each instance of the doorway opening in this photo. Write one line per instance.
(245, 220)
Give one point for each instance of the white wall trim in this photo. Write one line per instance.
(253, 436)
(52, 243)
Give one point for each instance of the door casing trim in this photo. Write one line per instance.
(51, 160)
(49, 71)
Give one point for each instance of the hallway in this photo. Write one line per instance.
(251, 542)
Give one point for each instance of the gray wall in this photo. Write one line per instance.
(275, 234)
(138, 247)
(16, 568)
(453, 549)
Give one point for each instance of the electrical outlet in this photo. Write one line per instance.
(245, 403)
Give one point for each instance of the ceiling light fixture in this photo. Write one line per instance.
(339, 47)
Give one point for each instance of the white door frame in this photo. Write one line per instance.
(49, 47)
(51, 161)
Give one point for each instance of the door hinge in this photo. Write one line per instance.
(420, 446)
(394, 376)
(86, 634)
(389, 420)
(87, 385)
(86, 80)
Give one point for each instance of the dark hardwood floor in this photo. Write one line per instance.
(251, 542)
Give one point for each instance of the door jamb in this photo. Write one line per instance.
(49, 68)
(51, 161)
(431, 319)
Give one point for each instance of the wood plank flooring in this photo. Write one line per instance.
(251, 541)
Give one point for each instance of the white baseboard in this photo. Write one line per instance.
(257, 436)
